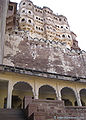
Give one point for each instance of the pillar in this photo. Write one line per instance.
(9, 98)
(78, 98)
(36, 94)
(58, 92)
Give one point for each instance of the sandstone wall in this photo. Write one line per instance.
(38, 54)
(3, 13)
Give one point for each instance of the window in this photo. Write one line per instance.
(36, 17)
(15, 32)
(65, 20)
(23, 20)
(41, 19)
(66, 27)
(10, 7)
(36, 10)
(36, 27)
(40, 11)
(41, 29)
(63, 36)
(74, 44)
(47, 27)
(55, 18)
(61, 26)
(59, 19)
(54, 30)
(29, 4)
(24, 3)
(29, 12)
(29, 21)
(23, 11)
(69, 36)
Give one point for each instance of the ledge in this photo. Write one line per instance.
(20, 70)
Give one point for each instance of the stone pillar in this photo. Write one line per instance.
(9, 98)
(3, 13)
(35, 91)
(78, 98)
(58, 93)
(36, 96)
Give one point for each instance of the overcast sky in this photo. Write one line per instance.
(74, 10)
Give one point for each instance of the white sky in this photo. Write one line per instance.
(74, 10)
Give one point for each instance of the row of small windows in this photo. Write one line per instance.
(48, 12)
(64, 36)
(23, 11)
(28, 4)
(38, 10)
(24, 20)
(57, 27)
(38, 28)
(55, 19)
(51, 28)
(61, 26)
(39, 19)
(59, 19)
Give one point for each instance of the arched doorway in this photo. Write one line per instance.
(20, 90)
(47, 92)
(68, 96)
(83, 97)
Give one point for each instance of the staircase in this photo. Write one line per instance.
(12, 114)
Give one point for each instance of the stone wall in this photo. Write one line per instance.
(44, 55)
(53, 110)
(3, 13)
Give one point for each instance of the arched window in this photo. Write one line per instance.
(23, 20)
(29, 21)
(41, 29)
(36, 17)
(63, 36)
(61, 26)
(60, 19)
(29, 4)
(24, 3)
(69, 36)
(29, 12)
(23, 11)
(36, 27)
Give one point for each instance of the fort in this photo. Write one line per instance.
(42, 68)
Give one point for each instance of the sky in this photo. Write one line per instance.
(74, 10)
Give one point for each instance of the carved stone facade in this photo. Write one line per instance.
(43, 23)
